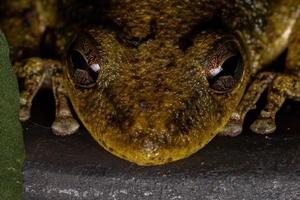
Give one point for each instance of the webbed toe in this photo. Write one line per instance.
(24, 114)
(65, 126)
(233, 128)
(263, 126)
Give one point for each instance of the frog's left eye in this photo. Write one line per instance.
(225, 69)
(83, 65)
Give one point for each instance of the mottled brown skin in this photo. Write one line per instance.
(158, 94)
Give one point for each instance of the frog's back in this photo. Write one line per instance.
(265, 26)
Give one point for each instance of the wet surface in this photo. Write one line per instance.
(245, 167)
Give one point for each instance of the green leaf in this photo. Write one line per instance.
(11, 138)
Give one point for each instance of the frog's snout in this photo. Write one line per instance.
(149, 141)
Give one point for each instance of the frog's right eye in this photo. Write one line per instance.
(225, 68)
(83, 74)
(83, 63)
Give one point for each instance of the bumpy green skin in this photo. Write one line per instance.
(152, 102)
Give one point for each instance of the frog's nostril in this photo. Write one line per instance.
(143, 104)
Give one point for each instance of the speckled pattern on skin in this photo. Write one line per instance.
(154, 81)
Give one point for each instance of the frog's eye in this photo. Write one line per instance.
(225, 71)
(84, 74)
(83, 65)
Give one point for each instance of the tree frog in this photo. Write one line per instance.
(154, 81)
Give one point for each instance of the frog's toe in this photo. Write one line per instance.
(233, 128)
(65, 126)
(24, 114)
(263, 126)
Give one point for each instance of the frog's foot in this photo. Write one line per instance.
(280, 87)
(34, 74)
(64, 123)
(235, 125)
(24, 113)
(233, 128)
(64, 126)
(38, 72)
(283, 86)
(263, 126)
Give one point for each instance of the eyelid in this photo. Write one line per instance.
(87, 46)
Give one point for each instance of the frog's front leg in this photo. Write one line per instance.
(64, 123)
(248, 102)
(281, 86)
(36, 72)
(284, 86)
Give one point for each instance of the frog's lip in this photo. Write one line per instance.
(149, 151)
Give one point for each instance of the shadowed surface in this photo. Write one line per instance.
(246, 167)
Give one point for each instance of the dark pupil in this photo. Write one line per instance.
(78, 60)
(229, 76)
(81, 72)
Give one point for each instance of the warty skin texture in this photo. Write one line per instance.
(152, 101)
(156, 113)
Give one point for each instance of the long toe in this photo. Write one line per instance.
(263, 126)
(24, 114)
(65, 126)
(233, 128)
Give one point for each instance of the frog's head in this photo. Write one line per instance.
(158, 101)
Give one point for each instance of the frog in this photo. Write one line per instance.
(155, 81)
